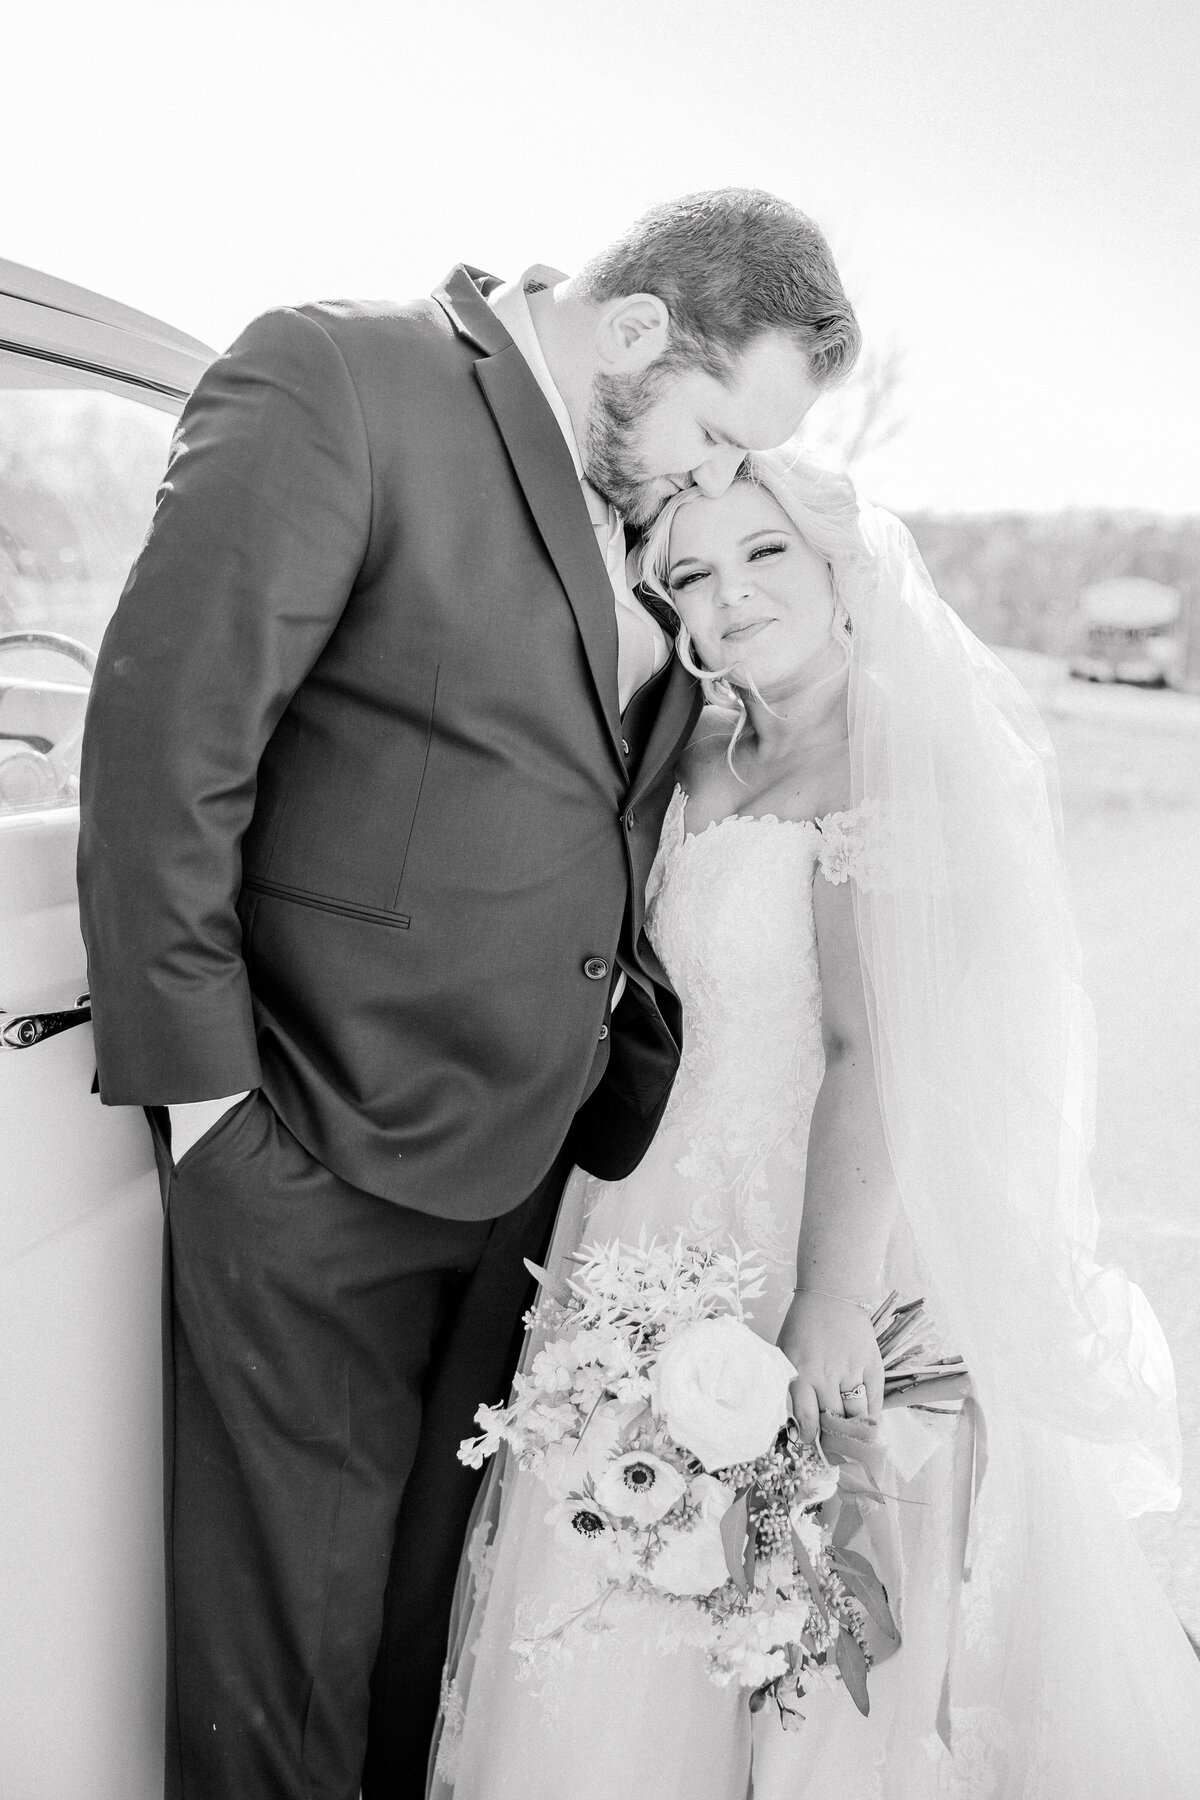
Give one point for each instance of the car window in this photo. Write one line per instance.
(79, 468)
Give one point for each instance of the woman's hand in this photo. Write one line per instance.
(831, 1345)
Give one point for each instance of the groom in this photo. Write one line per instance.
(377, 755)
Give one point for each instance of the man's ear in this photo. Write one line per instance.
(632, 333)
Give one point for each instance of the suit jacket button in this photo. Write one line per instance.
(603, 1033)
(595, 968)
(625, 745)
(630, 820)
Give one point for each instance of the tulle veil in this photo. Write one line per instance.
(984, 1051)
(983, 1037)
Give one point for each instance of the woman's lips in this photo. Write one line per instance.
(739, 633)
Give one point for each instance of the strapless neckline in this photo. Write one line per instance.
(680, 797)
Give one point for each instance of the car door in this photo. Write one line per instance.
(88, 395)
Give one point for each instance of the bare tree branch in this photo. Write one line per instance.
(857, 420)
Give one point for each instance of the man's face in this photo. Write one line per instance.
(650, 434)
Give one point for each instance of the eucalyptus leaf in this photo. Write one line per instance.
(751, 1554)
(557, 1290)
(852, 1667)
(809, 1573)
(860, 1580)
(733, 1541)
(849, 1520)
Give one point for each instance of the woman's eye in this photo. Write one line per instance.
(766, 550)
(687, 581)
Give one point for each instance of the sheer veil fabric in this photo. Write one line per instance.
(1069, 1677)
(982, 1034)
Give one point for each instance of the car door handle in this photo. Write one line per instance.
(21, 1031)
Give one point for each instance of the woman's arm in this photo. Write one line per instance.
(849, 1193)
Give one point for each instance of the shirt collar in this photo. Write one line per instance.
(511, 307)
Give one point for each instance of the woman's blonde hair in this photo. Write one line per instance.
(823, 506)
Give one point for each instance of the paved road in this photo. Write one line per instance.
(1130, 765)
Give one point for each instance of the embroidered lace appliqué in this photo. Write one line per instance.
(859, 844)
(450, 1742)
(730, 912)
(481, 1559)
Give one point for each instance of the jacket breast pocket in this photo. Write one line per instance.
(326, 903)
(339, 794)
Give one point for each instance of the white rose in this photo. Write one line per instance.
(722, 1390)
(693, 1561)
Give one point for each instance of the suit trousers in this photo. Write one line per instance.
(325, 1351)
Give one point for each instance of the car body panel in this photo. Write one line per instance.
(80, 1227)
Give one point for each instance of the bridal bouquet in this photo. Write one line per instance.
(659, 1423)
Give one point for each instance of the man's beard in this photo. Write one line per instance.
(619, 404)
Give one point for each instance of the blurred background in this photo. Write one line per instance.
(1013, 194)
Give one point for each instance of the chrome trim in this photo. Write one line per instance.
(90, 368)
(52, 640)
(33, 287)
(21, 1031)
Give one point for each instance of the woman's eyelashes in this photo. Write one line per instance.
(680, 582)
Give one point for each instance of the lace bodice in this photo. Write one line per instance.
(730, 913)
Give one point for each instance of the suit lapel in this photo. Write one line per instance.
(681, 706)
(547, 476)
(462, 297)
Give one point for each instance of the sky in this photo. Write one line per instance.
(1011, 187)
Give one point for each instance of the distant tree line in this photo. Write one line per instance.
(1016, 578)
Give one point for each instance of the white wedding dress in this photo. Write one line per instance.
(1070, 1678)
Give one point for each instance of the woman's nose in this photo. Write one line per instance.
(734, 588)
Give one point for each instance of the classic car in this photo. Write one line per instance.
(1129, 632)
(89, 391)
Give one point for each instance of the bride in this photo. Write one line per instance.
(886, 1082)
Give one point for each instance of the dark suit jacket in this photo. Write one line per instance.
(356, 816)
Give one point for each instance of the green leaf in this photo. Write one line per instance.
(849, 1520)
(852, 1667)
(557, 1290)
(733, 1541)
(809, 1573)
(860, 1580)
(751, 1555)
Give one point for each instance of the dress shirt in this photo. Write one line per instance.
(642, 647)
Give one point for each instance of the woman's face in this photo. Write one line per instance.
(757, 600)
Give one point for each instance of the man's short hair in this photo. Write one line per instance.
(729, 265)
